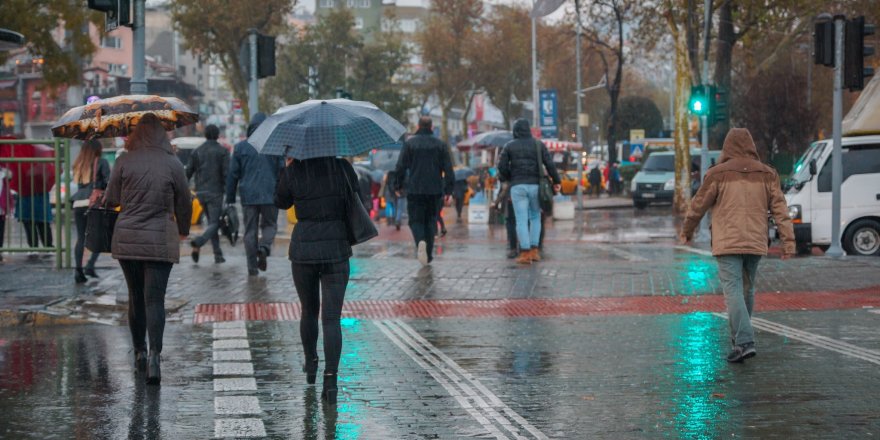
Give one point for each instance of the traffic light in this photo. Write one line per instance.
(823, 43)
(719, 112)
(265, 56)
(855, 51)
(116, 12)
(699, 104)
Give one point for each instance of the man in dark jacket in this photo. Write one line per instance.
(520, 166)
(426, 166)
(209, 163)
(254, 176)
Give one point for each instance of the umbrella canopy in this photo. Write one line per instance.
(333, 127)
(10, 40)
(495, 138)
(463, 173)
(117, 116)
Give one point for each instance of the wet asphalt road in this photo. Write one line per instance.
(642, 374)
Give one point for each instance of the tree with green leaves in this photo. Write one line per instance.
(216, 29)
(37, 19)
(338, 57)
(639, 113)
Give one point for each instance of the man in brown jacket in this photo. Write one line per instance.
(741, 191)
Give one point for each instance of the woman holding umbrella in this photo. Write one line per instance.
(149, 184)
(321, 186)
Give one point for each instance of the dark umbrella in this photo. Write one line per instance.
(463, 173)
(117, 116)
(335, 127)
(495, 138)
(10, 40)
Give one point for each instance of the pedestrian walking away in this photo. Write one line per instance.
(150, 186)
(459, 191)
(91, 173)
(209, 164)
(595, 179)
(425, 166)
(253, 176)
(740, 190)
(519, 166)
(319, 255)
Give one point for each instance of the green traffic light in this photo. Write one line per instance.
(698, 106)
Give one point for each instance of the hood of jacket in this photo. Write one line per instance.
(521, 129)
(255, 122)
(739, 145)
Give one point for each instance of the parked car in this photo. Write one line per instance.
(655, 182)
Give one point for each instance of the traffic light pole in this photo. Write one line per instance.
(836, 155)
(703, 234)
(138, 84)
(253, 86)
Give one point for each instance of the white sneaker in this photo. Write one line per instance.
(423, 253)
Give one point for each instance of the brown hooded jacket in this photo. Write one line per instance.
(740, 190)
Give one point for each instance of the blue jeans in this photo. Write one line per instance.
(737, 274)
(528, 215)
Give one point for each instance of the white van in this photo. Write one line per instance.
(809, 199)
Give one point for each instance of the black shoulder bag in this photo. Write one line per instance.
(358, 223)
(545, 189)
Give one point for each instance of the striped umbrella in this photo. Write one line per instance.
(117, 116)
(326, 128)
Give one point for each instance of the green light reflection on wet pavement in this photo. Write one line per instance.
(695, 376)
(350, 412)
(697, 273)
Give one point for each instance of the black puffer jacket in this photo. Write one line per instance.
(209, 163)
(424, 166)
(150, 186)
(518, 163)
(317, 188)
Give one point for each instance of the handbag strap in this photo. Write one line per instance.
(540, 159)
(95, 172)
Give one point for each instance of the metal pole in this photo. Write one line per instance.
(703, 235)
(253, 89)
(579, 192)
(836, 160)
(138, 57)
(536, 123)
(60, 218)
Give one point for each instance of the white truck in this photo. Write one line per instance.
(809, 199)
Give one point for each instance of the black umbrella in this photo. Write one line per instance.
(463, 173)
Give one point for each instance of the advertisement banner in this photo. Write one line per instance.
(549, 114)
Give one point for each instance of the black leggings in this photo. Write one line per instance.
(34, 231)
(321, 289)
(147, 281)
(79, 216)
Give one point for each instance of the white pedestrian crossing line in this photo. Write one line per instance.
(820, 341)
(483, 405)
(704, 252)
(232, 357)
(228, 344)
(239, 428)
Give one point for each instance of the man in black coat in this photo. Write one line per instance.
(209, 164)
(426, 166)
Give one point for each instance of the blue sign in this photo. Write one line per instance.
(636, 149)
(549, 113)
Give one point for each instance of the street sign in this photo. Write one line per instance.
(636, 149)
(549, 113)
(584, 120)
(636, 135)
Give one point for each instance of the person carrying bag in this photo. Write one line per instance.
(91, 172)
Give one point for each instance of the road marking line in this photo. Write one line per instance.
(462, 401)
(473, 380)
(695, 250)
(483, 399)
(629, 256)
(226, 344)
(232, 355)
(233, 369)
(229, 324)
(238, 428)
(238, 333)
(235, 384)
(820, 341)
(226, 405)
(875, 311)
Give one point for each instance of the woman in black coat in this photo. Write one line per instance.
(319, 254)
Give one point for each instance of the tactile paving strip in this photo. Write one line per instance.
(543, 307)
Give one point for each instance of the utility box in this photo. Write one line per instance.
(478, 213)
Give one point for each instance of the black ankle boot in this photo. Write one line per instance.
(154, 373)
(311, 370)
(80, 277)
(140, 360)
(329, 393)
(90, 272)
